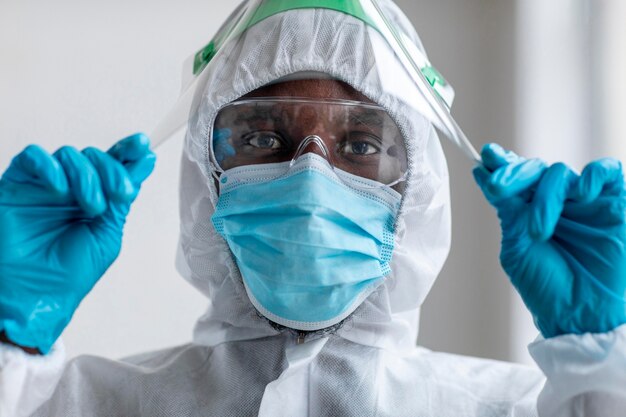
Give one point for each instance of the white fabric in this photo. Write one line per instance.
(331, 376)
(594, 389)
(239, 365)
(27, 381)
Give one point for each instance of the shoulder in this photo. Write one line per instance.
(477, 383)
(106, 373)
(93, 385)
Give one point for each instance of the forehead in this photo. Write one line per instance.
(315, 89)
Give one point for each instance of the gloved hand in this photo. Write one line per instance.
(61, 221)
(563, 238)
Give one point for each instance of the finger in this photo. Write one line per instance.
(135, 154)
(137, 172)
(141, 169)
(84, 181)
(598, 176)
(36, 166)
(130, 149)
(495, 156)
(116, 181)
(481, 176)
(549, 199)
(604, 211)
(516, 178)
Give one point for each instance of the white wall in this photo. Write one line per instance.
(609, 68)
(472, 42)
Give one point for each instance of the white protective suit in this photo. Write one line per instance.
(239, 365)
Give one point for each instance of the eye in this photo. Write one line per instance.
(264, 140)
(360, 145)
(360, 148)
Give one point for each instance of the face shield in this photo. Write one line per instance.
(421, 86)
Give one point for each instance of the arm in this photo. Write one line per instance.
(61, 222)
(586, 374)
(27, 381)
(564, 250)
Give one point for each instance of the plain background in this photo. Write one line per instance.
(542, 77)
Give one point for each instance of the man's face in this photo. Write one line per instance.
(268, 125)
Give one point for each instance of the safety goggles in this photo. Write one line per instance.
(354, 137)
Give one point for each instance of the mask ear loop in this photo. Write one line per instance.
(216, 169)
(398, 181)
(217, 173)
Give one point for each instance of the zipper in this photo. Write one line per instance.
(300, 338)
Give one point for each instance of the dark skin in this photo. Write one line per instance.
(306, 122)
(29, 350)
(319, 89)
(314, 89)
(360, 140)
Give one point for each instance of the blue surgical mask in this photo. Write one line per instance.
(311, 243)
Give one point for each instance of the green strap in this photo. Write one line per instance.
(433, 76)
(206, 54)
(271, 7)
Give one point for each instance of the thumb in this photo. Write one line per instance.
(135, 154)
(482, 176)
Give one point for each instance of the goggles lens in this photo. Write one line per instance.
(355, 137)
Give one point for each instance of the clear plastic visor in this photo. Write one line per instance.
(355, 137)
(419, 85)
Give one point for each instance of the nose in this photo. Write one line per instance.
(312, 144)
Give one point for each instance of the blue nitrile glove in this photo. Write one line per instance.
(61, 221)
(563, 239)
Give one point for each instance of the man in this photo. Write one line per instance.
(315, 216)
